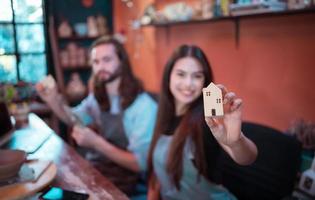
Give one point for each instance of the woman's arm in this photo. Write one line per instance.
(227, 130)
(243, 151)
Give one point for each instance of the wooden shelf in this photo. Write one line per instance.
(63, 48)
(224, 18)
(235, 19)
(77, 38)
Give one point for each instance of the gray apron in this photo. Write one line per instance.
(112, 130)
(191, 186)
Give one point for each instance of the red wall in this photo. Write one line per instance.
(140, 44)
(272, 69)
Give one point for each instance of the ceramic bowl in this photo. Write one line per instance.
(11, 162)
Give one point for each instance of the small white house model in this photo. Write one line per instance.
(212, 101)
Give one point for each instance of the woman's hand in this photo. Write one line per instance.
(85, 137)
(227, 129)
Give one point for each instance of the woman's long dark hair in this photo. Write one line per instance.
(129, 87)
(191, 124)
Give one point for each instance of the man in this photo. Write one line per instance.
(123, 114)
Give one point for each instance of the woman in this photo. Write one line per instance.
(184, 149)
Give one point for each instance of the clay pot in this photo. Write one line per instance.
(11, 162)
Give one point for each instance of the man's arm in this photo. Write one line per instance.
(55, 101)
(139, 123)
(88, 138)
(121, 157)
(61, 109)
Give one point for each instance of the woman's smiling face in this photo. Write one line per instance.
(186, 82)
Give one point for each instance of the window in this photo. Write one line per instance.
(22, 41)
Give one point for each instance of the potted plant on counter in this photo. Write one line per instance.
(16, 98)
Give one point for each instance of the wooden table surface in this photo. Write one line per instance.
(73, 172)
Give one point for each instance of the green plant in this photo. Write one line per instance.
(7, 93)
(21, 92)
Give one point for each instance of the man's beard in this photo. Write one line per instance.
(110, 79)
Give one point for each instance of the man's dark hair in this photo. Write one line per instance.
(129, 86)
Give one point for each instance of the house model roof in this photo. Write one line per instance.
(212, 101)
